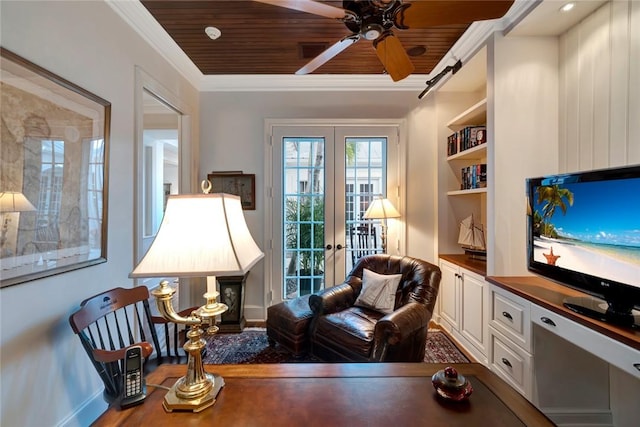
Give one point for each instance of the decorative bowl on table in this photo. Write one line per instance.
(450, 385)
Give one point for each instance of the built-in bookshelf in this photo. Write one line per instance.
(466, 158)
(462, 103)
(467, 192)
(477, 152)
(474, 115)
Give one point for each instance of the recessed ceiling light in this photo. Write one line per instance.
(567, 7)
(213, 32)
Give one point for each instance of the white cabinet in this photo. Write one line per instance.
(463, 303)
(474, 306)
(614, 352)
(449, 296)
(510, 348)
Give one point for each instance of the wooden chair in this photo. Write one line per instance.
(112, 321)
(364, 241)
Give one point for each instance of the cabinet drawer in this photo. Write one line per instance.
(511, 316)
(510, 362)
(614, 352)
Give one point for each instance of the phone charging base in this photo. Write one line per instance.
(127, 402)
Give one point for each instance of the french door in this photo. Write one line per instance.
(324, 178)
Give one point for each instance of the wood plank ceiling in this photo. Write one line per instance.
(259, 38)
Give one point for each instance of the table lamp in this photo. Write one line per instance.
(11, 202)
(200, 235)
(381, 208)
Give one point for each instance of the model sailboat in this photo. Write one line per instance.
(471, 238)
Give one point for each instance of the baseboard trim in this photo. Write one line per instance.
(87, 412)
(569, 417)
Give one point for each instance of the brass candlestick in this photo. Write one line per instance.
(197, 390)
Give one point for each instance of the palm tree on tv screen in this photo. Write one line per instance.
(552, 197)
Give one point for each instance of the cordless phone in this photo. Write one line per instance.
(134, 388)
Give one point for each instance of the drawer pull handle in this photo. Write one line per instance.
(548, 321)
(637, 366)
(507, 315)
(506, 362)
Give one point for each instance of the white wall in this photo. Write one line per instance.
(46, 377)
(421, 206)
(523, 77)
(600, 89)
(599, 122)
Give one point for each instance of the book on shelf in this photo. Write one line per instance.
(452, 144)
(466, 138)
(474, 176)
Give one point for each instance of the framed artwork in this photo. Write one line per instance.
(237, 183)
(231, 295)
(54, 151)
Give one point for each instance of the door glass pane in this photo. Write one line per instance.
(365, 178)
(303, 227)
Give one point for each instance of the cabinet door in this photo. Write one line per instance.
(449, 294)
(474, 317)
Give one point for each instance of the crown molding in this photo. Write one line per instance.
(310, 82)
(477, 35)
(141, 21)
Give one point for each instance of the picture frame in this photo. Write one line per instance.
(231, 295)
(54, 153)
(237, 183)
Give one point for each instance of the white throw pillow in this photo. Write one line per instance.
(378, 291)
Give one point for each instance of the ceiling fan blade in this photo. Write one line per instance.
(329, 53)
(424, 14)
(309, 6)
(393, 56)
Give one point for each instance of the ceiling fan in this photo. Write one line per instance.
(375, 20)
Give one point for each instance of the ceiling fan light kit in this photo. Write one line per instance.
(374, 20)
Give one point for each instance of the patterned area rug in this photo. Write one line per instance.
(251, 346)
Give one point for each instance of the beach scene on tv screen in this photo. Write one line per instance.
(589, 227)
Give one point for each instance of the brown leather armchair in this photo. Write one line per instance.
(341, 331)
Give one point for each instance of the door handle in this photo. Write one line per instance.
(506, 362)
(507, 315)
(329, 247)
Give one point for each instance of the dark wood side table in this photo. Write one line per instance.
(306, 394)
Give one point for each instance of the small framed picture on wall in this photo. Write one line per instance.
(237, 183)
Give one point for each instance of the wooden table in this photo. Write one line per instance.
(353, 394)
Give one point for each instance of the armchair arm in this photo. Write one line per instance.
(106, 356)
(397, 326)
(332, 299)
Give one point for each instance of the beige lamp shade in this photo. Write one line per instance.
(381, 209)
(14, 201)
(200, 235)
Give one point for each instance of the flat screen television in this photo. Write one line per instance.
(584, 232)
